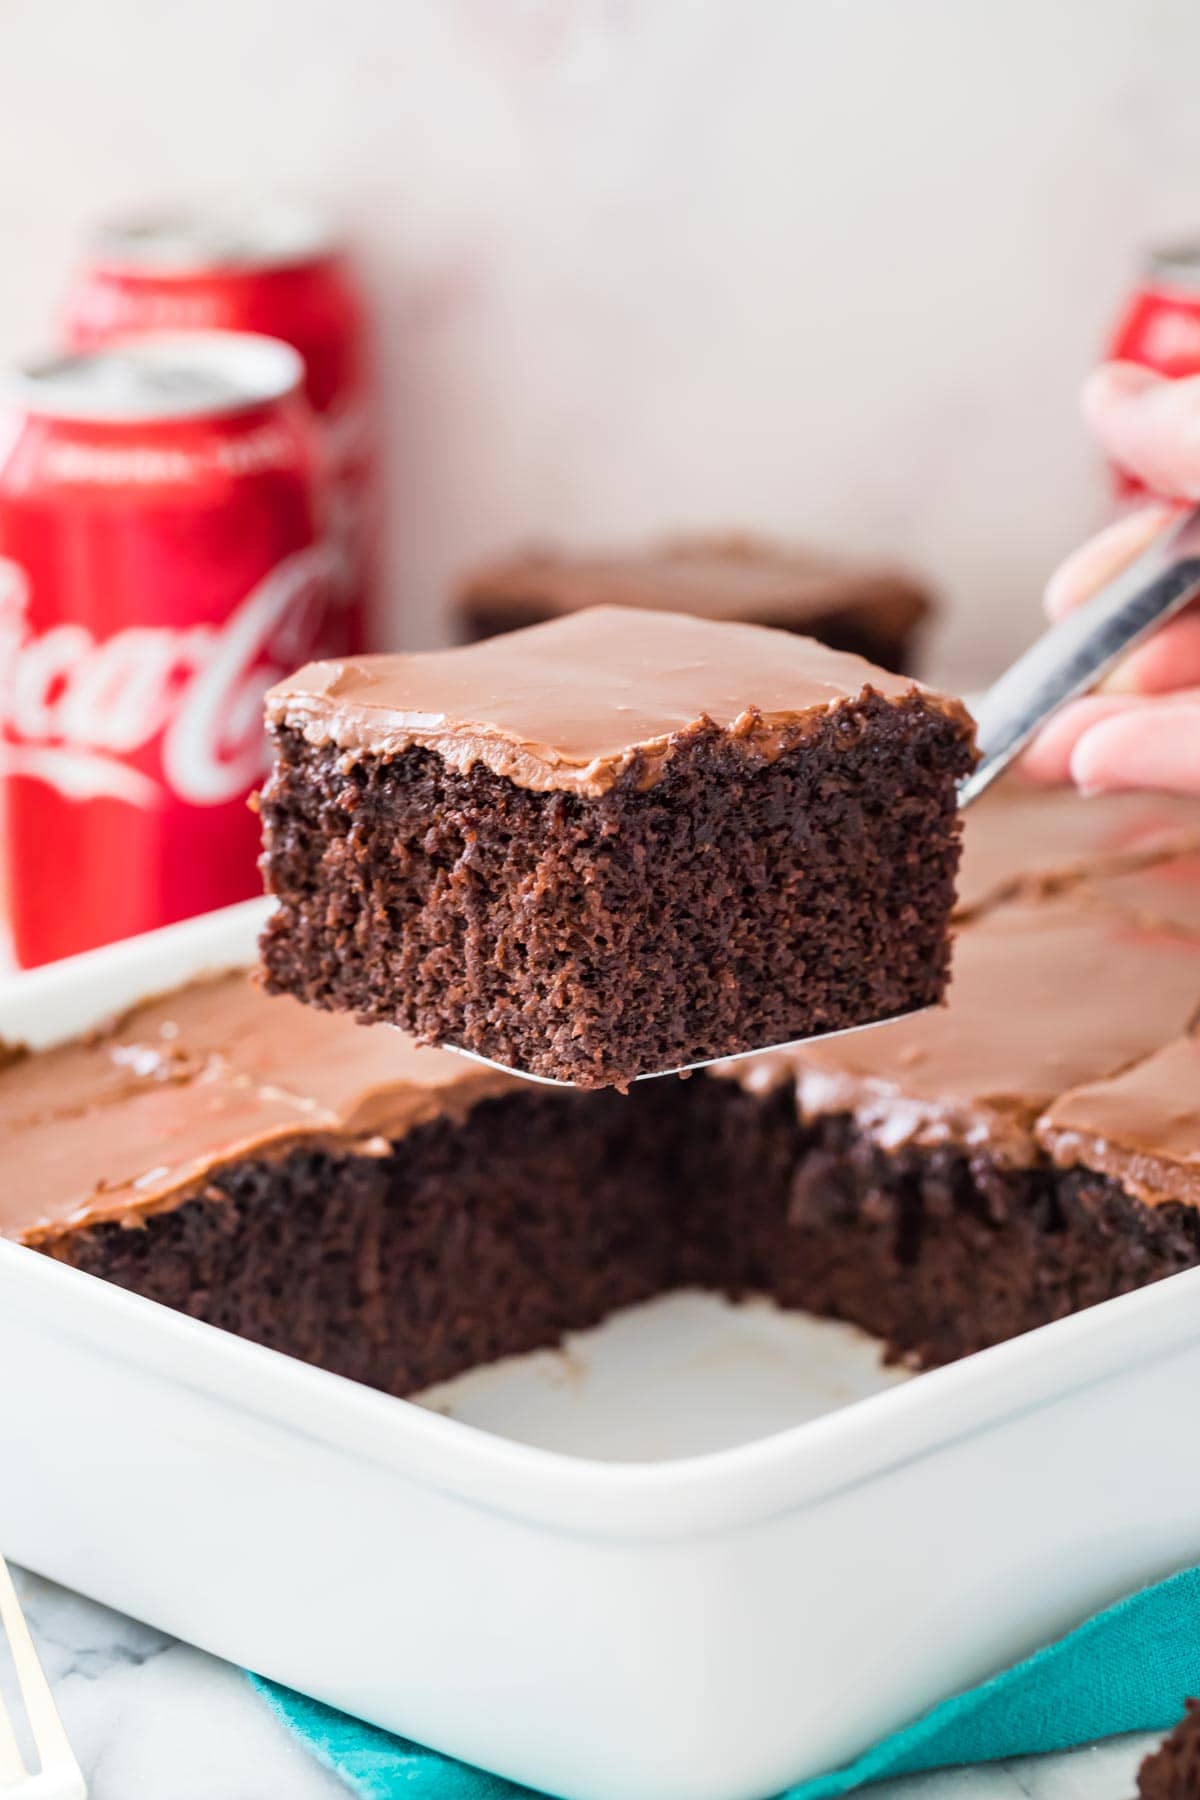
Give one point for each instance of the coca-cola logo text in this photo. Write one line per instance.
(76, 710)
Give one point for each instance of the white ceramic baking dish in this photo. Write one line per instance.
(684, 1627)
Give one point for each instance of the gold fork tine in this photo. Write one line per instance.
(59, 1777)
(12, 1769)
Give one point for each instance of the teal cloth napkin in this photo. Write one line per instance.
(1128, 1669)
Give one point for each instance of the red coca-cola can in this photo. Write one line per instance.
(279, 271)
(1159, 326)
(162, 562)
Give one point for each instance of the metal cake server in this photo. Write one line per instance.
(1070, 658)
(1066, 661)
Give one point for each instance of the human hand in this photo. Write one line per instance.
(1143, 729)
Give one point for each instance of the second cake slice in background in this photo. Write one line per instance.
(614, 844)
(875, 610)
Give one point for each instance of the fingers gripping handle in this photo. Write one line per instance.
(1075, 654)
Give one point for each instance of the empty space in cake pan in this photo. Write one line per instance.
(678, 1376)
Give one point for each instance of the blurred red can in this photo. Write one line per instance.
(277, 271)
(162, 562)
(1160, 325)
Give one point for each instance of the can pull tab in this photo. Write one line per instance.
(1075, 654)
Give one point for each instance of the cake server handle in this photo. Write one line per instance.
(1075, 654)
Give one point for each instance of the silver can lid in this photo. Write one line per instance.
(190, 241)
(161, 376)
(1177, 265)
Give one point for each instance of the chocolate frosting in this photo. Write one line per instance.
(1043, 998)
(1021, 838)
(1166, 892)
(138, 1117)
(714, 577)
(575, 703)
(1141, 1128)
(1065, 1028)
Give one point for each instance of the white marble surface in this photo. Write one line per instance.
(153, 1718)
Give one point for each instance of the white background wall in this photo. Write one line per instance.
(832, 267)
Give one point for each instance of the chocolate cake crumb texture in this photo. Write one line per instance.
(399, 1214)
(612, 845)
(1172, 1772)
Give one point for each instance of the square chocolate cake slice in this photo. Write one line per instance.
(612, 844)
(875, 610)
(390, 1213)
(924, 1206)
